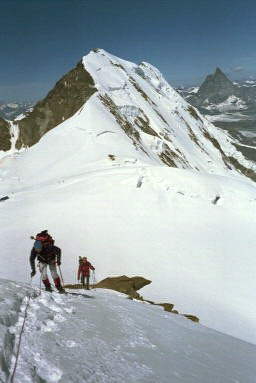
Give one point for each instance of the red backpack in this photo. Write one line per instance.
(44, 238)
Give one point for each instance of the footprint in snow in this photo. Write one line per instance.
(59, 318)
(70, 343)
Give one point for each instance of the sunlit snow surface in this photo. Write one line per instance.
(104, 337)
(191, 232)
(158, 222)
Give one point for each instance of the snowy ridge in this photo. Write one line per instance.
(171, 125)
(136, 103)
(103, 337)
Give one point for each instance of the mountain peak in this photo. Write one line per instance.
(218, 71)
(216, 88)
(108, 97)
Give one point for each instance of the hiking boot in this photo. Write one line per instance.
(61, 290)
(48, 288)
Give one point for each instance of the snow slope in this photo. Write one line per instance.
(103, 337)
(103, 191)
(198, 254)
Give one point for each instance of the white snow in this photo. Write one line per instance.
(103, 337)
(20, 117)
(230, 104)
(248, 133)
(250, 81)
(227, 117)
(203, 265)
(12, 105)
(193, 90)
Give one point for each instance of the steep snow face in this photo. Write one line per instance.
(103, 337)
(157, 119)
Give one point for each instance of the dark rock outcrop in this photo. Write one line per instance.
(167, 306)
(191, 317)
(5, 198)
(5, 136)
(130, 286)
(62, 102)
(124, 285)
(216, 88)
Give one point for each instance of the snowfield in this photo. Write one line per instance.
(191, 234)
(101, 336)
(227, 117)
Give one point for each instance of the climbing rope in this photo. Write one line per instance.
(11, 376)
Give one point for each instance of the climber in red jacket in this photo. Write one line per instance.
(84, 271)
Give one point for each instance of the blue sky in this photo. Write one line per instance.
(41, 40)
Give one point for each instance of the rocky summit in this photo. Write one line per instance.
(136, 103)
(230, 106)
(215, 89)
(68, 95)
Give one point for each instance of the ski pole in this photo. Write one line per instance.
(40, 285)
(94, 278)
(62, 280)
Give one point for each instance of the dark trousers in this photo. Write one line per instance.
(87, 280)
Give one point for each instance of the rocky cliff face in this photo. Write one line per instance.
(230, 106)
(216, 88)
(65, 99)
(5, 136)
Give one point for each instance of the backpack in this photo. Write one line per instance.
(42, 240)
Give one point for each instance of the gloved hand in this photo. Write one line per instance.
(58, 263)
(33, 272)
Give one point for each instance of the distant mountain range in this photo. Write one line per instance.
(11, 110)
(217, 90)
